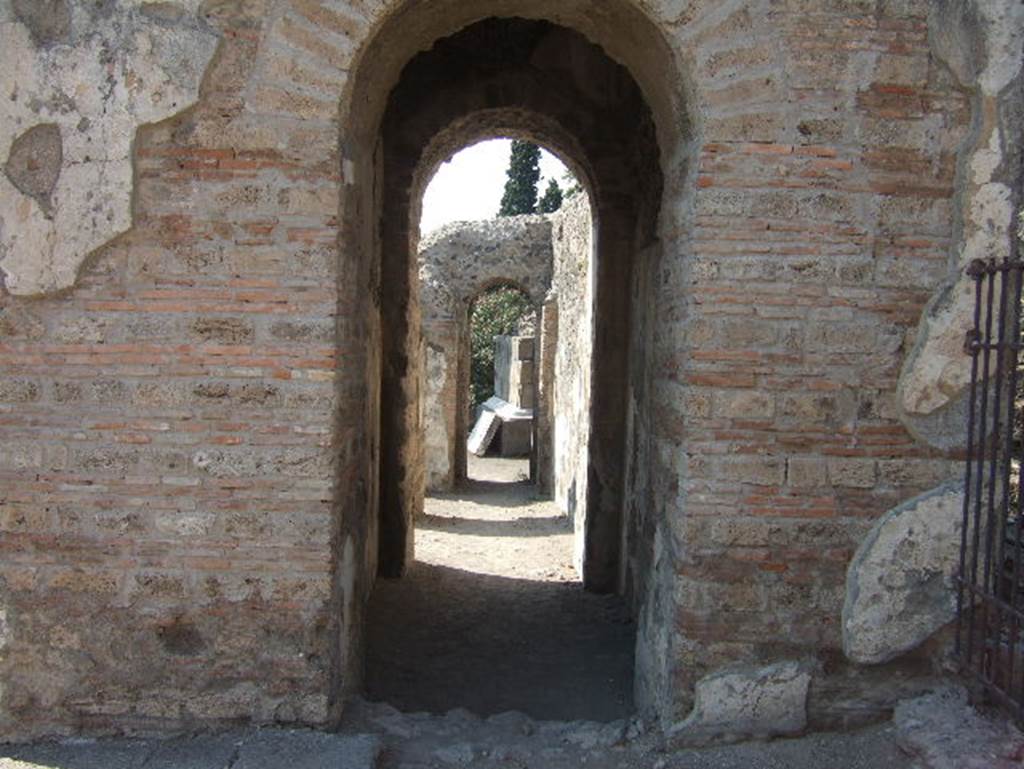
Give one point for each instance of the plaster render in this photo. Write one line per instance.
(981, 42)
(95, 77)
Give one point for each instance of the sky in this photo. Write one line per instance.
(470, 184)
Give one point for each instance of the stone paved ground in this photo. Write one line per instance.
(505, 741)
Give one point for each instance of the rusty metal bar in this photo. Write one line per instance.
(996, 519)
(968, 531)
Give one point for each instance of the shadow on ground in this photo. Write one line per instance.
(443, 638)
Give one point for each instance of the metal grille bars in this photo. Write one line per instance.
(990, 595)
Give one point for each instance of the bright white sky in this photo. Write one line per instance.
(470, 185)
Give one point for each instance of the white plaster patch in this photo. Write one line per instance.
(936, 373)
(1004, 30)
(116, 74)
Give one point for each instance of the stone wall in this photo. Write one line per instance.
(456, 264)
(572, 286)
(197, 470)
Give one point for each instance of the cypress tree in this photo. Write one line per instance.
(521, 185)
(551, 200)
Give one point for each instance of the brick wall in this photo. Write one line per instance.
(187, 519)
(822, 222)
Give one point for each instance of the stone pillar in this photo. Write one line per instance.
(440, 404)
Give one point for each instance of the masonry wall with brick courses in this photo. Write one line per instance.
(171, 446)
(186, 431)
(572, 284)
(822, 223)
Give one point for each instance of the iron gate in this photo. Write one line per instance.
(990, 596)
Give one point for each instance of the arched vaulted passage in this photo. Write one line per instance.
(455, 73)
(532, 78)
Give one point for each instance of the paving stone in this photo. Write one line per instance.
(78, 754)
(302, 749)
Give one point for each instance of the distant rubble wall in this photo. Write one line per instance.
(456, 263)
(549, 257)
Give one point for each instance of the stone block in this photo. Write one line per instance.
(18, 390)
(514, 370)
(806, 472)
(851, 471)
(486, 427)
(515, 438)
(744, 404)
(899, 585)
(745, 702)
(817, 407)
(757, 470)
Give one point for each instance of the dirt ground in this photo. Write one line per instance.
(492, 616)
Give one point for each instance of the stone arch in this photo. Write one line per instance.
(624, 130)
(602, 108)
(456, 265)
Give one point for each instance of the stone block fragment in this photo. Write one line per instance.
(899, 585)
(742, 702)
(483, 432)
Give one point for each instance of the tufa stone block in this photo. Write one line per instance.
(899, 585)
(744, 702)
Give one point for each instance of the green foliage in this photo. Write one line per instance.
(495, 312)
(570, 185)
(521, 185)
(552, 199)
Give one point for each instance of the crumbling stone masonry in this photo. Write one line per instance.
(456, 264)
(210, 291)
(549, 258)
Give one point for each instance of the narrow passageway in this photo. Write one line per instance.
(492, 617)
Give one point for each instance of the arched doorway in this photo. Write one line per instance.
(536, 79)
(612, 129)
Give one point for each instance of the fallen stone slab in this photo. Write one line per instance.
(483, 433)
(899, 585)
(306, 749)
(746, 702)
